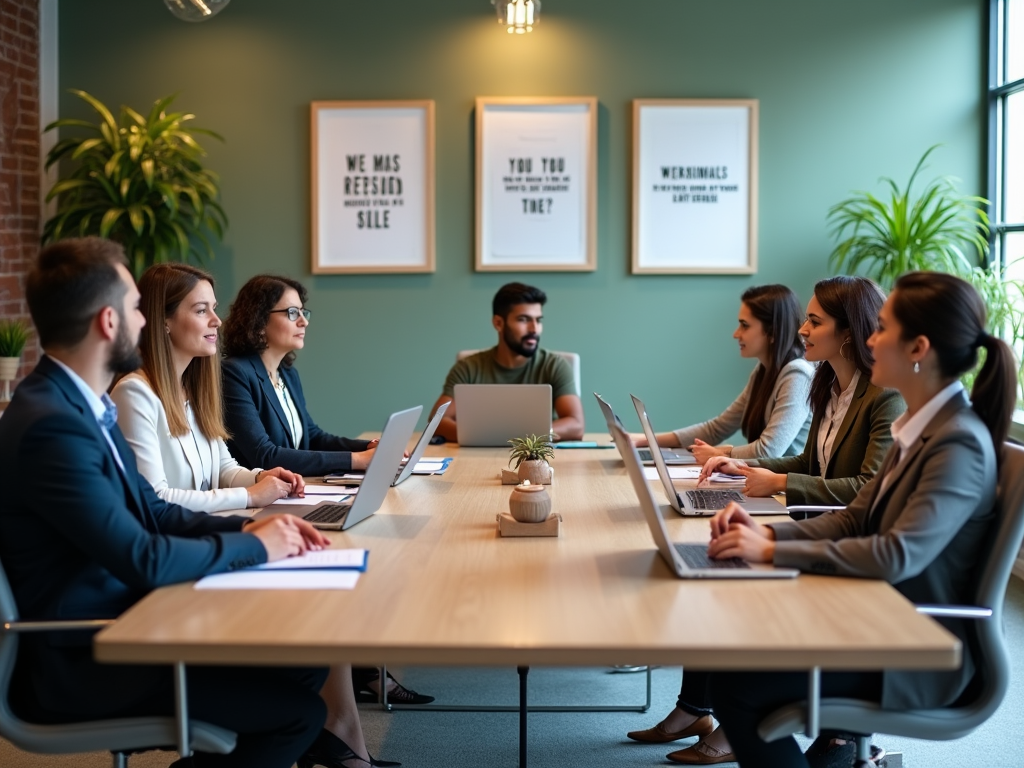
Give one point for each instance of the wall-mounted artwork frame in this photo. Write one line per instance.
(536, 184)
(695, 186)
(372, 176)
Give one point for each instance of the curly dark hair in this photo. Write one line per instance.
(245, 328)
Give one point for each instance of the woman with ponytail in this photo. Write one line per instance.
(920, 524)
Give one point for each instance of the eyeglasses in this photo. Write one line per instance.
(294, 312)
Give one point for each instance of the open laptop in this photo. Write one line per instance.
(421, 445)
(492, 414)
(675, 456)
(379, 477)
(688, 560)
(703, 501)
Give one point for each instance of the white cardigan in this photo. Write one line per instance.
(171, 464)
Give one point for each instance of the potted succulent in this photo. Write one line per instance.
(13, 337)
(531, 454)
(138, 180)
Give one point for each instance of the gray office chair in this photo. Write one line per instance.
(570, 357)
(122, 736)
(993, 673)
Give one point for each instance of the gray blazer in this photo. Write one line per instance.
(923, 535)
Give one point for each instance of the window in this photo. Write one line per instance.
(1006, 134)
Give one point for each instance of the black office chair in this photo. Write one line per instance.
(120, 737)
(992, 675)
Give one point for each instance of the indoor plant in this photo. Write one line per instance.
(139, 182)
(13, 337)
(531, 454)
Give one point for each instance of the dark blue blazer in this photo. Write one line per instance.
(259, 429)
(79, 538)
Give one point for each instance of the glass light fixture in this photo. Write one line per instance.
(517, 16)
(196, 10)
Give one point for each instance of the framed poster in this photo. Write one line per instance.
(694, 186)
(372, 186)
(536, 184)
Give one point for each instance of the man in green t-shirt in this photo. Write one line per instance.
(518, 359)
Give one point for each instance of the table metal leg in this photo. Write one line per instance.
(813, 702)
(523, 713)
(181, 710)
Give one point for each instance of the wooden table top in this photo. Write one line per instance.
(443, 588)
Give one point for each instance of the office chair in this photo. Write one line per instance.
(992, 675)
(570, 357)
(120, 737)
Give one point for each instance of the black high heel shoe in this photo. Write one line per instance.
(331, 752)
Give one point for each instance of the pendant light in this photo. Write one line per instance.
(517, 16)
(195, 10)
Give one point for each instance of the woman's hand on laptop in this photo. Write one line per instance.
(720, 464)
(361, 459)
(734, 533)
(762, 482)
(640, 441)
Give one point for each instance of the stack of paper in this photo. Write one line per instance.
(324, 569)
(432, 466)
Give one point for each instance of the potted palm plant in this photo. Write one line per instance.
(138, 180)
(13, 338)
(531, 454)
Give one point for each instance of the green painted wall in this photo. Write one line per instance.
(849, 92)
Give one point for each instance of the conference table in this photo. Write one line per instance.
(443, 588)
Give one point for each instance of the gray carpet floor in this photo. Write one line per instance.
(424, 739)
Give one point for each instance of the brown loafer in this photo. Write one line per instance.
(702, 726)
(701, 754)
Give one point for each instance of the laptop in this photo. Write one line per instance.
(703, 501)
(674, 456)
(492, 414)
(421, 446)
(688, 560)
(379, 477)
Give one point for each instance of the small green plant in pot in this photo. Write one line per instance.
(13, 338)
(531, 454)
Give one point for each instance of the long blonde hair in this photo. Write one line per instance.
(163, 288)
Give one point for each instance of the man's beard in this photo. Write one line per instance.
(516, 345)
(124, 355)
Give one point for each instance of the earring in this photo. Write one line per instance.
(167, 329)
(917, 367)
(841, 348)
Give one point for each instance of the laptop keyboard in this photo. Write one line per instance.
(696, 556)
(705, 499)
(328, 513)
(645, 455)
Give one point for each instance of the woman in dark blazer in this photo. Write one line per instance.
(920, 524)
(265, 410)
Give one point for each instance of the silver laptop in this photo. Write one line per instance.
(675, 457)
(688, 560)
(492, 414)
(703, 501)
(379, 476)
(421, 446)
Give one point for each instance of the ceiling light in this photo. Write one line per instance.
(195, 10)
(517, 16)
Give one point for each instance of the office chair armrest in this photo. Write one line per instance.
(955, 611)
(807, 511)
(56, 626)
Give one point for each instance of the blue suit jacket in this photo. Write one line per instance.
(259, 430)
(79, 538)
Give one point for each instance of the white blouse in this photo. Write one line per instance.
(189, 469)
(291, 413)
(835, 412)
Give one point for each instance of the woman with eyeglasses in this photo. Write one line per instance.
(265, 410)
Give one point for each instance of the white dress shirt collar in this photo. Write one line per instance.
(907, 429)
(100, 406)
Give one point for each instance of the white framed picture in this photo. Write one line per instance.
(372, 186)
(695, 186)
(536, 184)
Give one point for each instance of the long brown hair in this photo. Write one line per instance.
(779, 312)
(853, 303)
(951, 314)
(163, 287)
(245, 328)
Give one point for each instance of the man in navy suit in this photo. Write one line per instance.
(83, 535)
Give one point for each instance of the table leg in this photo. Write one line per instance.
(523, 672)
(181, 710)
(813, 702)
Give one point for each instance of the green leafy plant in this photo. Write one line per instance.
(13, 338)
(531, 448)
(138, 181)
(938, 230)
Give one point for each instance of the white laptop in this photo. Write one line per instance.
(704, 501)
(492, 414)
(674, 456)
(421, 446)
(688, 560)
(379, 477)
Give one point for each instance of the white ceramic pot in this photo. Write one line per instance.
(537, 471)
(8, 373)
(529, 503)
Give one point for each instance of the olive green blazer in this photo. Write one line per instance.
(861, 443)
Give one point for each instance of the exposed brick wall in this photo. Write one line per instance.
(19, 157)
